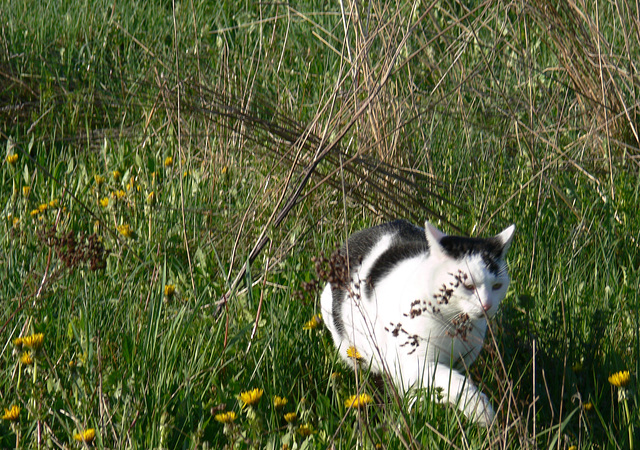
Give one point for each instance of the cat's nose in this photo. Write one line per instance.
(487, 306)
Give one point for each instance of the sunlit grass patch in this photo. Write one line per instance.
(126, 217)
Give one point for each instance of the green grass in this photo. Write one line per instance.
(472, 118)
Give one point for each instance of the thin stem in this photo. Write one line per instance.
(628, 420)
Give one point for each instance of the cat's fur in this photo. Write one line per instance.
(414, 303)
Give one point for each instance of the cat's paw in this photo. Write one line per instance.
(479, 409)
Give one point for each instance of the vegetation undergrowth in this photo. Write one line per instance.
(172, 170)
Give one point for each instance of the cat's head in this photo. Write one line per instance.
(470, 272)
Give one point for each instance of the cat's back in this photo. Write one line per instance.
(374, 252)
(370, 255)
(398, 233)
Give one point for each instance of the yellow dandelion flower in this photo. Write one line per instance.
(26, 359)
(168, 162)
(34, 342)
(620, 379)
(12, 159)
(99, 179)
(352, 352)
(12, 414)
(169, 290)
(131, 183)
(588, 406)
(305, 430)
(279, 402)
(251, 398)
(357, 401)
(54, 204)
(290, 417)
(34, 212)
(125, 230)
(18, 342)
(313, 323)
(573, 447)
(118, 194)
(87, 436)
(116, 175)
(226, 417)
(104, 202)
(15, 222)
(42, 207)
(26, 190)
(224, 170)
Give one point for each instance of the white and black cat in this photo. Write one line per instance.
(414, 303)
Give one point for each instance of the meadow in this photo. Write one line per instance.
(176, 173)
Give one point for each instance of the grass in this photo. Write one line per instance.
(289, 127)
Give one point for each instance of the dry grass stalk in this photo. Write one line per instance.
(605, 76)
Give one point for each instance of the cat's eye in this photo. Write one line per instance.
(496, 286)
(470, 287)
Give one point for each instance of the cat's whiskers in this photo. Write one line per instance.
(458, 322)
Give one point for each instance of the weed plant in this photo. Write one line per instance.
(172, 169)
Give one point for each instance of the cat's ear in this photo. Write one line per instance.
(434, 236)
(505, 237)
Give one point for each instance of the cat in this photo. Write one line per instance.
(414, 303)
